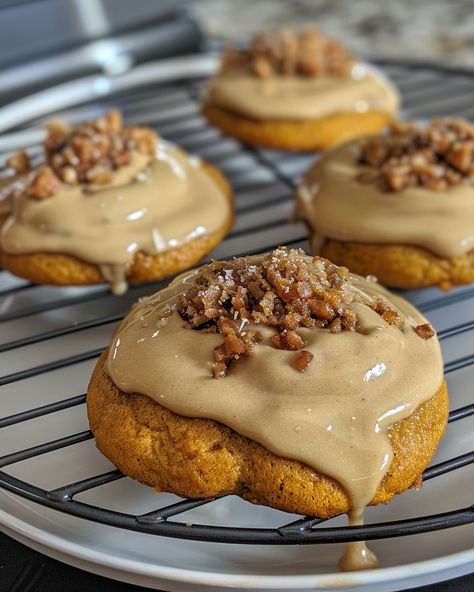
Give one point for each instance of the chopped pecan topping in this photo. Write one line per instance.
(90, 151)
(19, 162)
(43, 184)
(286, 53)
(434, 157)
(287, 339)
(388, 314)
(302, 360)
(425, 331)
(285, 290)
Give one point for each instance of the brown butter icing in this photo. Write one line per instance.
(301, 98)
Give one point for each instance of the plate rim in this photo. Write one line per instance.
(328, 581)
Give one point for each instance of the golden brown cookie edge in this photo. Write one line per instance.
(202, 458)
(293, 135)
(400, 266)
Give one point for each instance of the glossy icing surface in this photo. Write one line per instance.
(337, 206)
(301, 98)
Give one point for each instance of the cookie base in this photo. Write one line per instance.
(202, 458)
(401, 266)
(293, 135)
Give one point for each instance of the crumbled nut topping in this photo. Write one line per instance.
(90, 151)
(19, 162)
(87, 153)
(284, 52)
(43, 184)
(388, 314)
(425, 331)
(302, 360)
(285, 291)
(434, 157)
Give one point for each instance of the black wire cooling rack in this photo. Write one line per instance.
(37, 322)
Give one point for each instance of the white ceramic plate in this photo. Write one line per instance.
(184, 566)
(263, 202)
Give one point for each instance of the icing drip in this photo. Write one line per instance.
(357, 555)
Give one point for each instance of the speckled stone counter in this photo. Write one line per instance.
(438, 30)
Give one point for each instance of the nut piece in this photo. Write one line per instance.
(287, 339)
(302, 360)
(286, 53)
(285, 290)
(435, 157)
(388, 314)
(425, 331)
(44, 184)
(460, 155)
(19, 162)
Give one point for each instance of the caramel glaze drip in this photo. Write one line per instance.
(357, 555)
(337, 206)
(333, 417)
(152, 205)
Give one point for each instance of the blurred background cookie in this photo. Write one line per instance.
(297, 91)
(112, 203)
(398, 206)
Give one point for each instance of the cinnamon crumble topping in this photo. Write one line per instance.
(434, 157)
(285, 291)
(286, 53)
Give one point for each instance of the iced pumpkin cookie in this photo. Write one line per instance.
(279, 378)
(398, 206)
(297, 91)
(113, 203)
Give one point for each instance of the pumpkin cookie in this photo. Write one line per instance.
(113, 203)
(398, 206)
(301, 91)
(266, 377)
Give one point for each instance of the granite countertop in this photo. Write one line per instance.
(438, 30)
